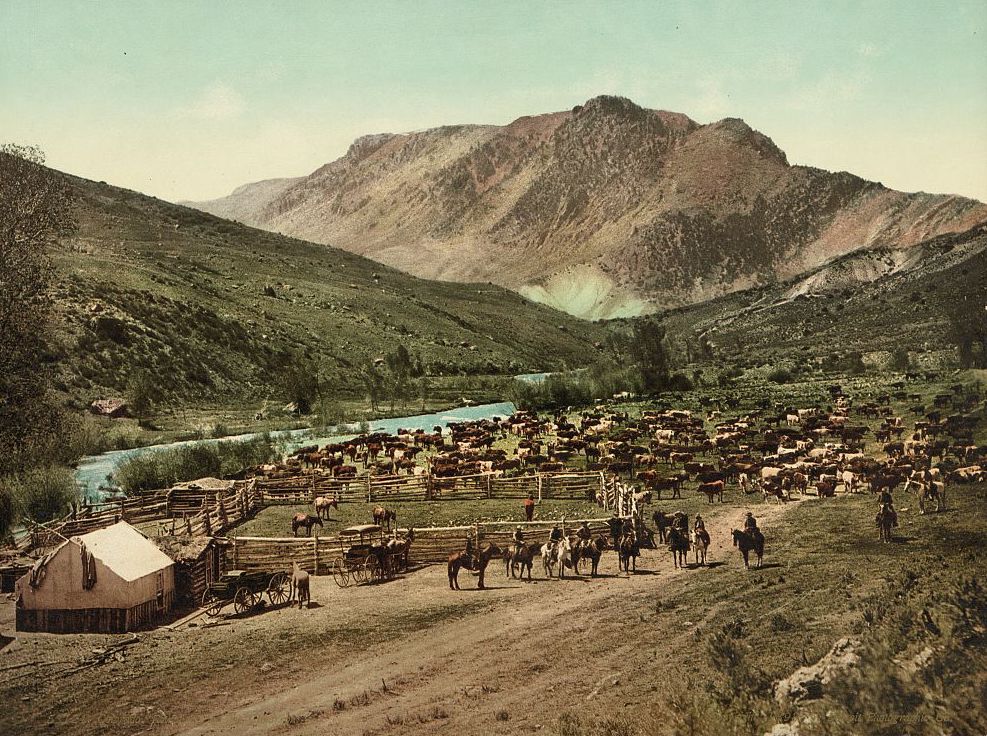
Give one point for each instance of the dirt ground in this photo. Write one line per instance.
(407, 656)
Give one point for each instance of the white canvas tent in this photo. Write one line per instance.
(111, 580)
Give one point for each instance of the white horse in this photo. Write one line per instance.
(700, 543)
(559, 554)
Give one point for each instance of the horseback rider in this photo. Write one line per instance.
(584, 535)
(885, 498)
(554, 537)
(699, 525)
(679, 522)
(750, 524)
(518, 539)
(470, 553)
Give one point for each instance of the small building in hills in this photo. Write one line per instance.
(108, 581)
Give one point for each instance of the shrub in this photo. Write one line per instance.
(40, 494)
(780, 375)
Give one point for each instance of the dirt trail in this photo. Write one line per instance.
(524, 658)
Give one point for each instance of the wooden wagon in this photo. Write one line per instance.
(365, 557)
(245, 590)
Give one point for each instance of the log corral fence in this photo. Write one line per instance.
(431, 546)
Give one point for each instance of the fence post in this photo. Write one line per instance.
(315, 555)
(370, 491)
(538, 479)
(489, 490)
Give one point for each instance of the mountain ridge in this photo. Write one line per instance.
(606, 210)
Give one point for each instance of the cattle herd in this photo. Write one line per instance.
(839, 444)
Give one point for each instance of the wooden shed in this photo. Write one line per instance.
(198, 563)
(109, 581)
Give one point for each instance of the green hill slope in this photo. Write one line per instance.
(211, 310)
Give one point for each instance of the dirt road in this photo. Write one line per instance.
(512, 667)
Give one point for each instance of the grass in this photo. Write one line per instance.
(139, 266)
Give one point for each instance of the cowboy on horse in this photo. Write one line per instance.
(555, 536)
(468, 559)
(750, 524)
(518, 539)
(584, 535)
(700, 524)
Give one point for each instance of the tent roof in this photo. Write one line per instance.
(126, 551)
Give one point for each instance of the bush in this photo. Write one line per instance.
(40, 494)
(156, 469)
(780, 375)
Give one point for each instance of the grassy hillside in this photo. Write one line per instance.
(212, 311)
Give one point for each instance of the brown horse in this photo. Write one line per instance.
(627, 552)
(591, 551)
(480, 561)
(384, 516)
(747, 541)
(299, 586)
(886, 520)
(323, 504)
(678, 544)
(304, 520)
(522, 558)
(398, 549)
(700, 543)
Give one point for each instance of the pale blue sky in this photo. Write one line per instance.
(189, 99)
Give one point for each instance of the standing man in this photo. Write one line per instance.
(616, 525)
(529, 507)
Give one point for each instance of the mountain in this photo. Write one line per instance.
(606, 210)
(925, 300)
(215, 311)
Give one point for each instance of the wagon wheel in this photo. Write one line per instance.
(277, 589)
(211, 603)
(359, 572)
(243, 600)
(340, 573)
(371, 570)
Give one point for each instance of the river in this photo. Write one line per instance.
(93, 470)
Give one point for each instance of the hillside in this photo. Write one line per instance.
(606, 210)
(877, 301)
(212, 310)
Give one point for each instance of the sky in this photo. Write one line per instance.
(187, 100)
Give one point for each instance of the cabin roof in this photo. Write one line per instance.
(127, 552)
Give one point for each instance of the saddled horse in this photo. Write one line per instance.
(299, 586)
(559, 554)
(747, 541)
(521, 558)
(307, 521)
(700, 543)
(885, 521)
(592, 551)
(323, 504)
(384, 516)
(628, 552)
(479, 563)
(678, 545)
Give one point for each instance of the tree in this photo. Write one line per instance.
(301, 384)
(967, 315)
(35, 211)
(647, 349)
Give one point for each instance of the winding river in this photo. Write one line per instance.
(93, 470)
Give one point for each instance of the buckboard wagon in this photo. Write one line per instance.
(246, 590)
(365, 557)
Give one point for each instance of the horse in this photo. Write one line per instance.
(559, 553)
(382, 516)
(747, 541)
(482, 559)
(304, 520)
(662, 521)
(323, 504)
(700, 543)
(522, 557)
(592, 551)
(627, 552)
(678, 545)
(397, 550)
(885, 521)
(299, 586)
